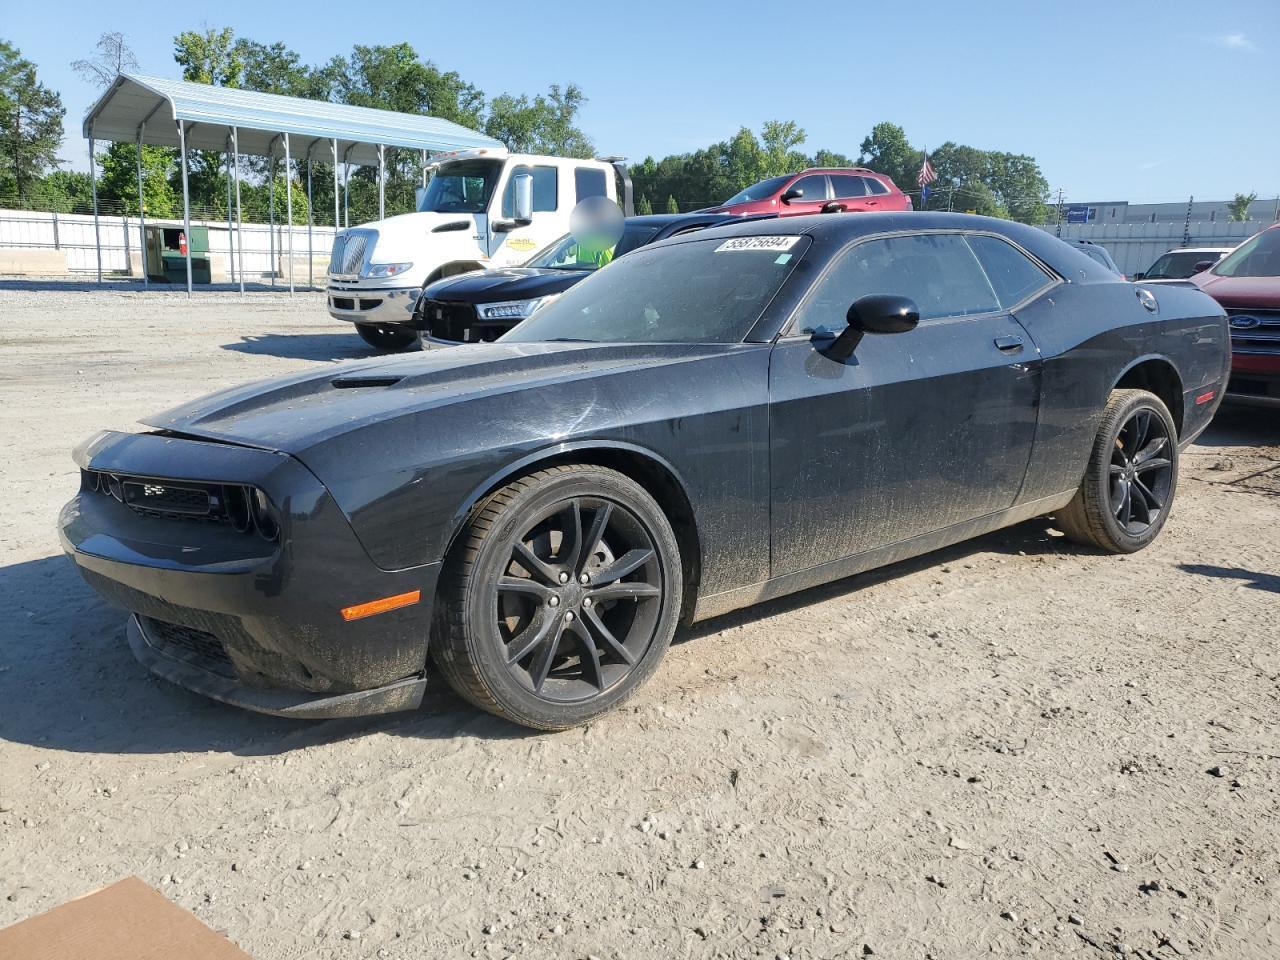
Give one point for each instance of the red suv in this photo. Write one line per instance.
(818, 190)
(1247, 284)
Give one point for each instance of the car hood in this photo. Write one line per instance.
(293, 414)
(1236, 292)
(512, 283)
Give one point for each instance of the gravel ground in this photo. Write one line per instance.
(1009, 747)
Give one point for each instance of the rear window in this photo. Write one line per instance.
(1013, 276)
(589, 182)
(846, 185)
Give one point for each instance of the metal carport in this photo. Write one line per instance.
(178, 113)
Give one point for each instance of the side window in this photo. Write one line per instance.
(588, 182)
(814, 187)
(544, 190)
(875, 187)
(1013, 276)
(846, 185)
(938, 271)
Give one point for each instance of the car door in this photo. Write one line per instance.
(814, 196)
(547, 224)
(850, 191)
(916, 431)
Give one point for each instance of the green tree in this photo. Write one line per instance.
(778, 140)
(209, 57)
(672, 206)
(886, 150)
(542, 124)
(644, 208)
(66, 191)
(30, 122)
(119, 179)
(1239, 207)
(830, 158)
(274, 68)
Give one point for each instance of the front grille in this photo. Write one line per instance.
(455, 321)
(195, 646)
(241, 507)
(369, 304)
(348, 254)
(1255, 332)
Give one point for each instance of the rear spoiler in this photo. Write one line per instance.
(624, 177)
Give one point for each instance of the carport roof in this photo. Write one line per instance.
(210, 112)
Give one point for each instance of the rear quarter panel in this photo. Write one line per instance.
(1090, 335)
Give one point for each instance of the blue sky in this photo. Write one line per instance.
(1124, 101)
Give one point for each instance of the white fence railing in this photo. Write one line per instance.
(1135, 246)
(47, 235)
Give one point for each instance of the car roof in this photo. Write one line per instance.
(839, 229)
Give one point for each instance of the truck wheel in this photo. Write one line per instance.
(386, 336)
(560, 597)
(1132, 476)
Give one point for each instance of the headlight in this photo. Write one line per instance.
(514, 309)
(377, 270)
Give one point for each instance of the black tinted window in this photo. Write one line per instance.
(938, 271)
(589, 182)
(847, 185)
(815, 188)
(1013, 276)
(544, 190)
(875, 186)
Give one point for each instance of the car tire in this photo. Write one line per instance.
(389, 337)
(1131, 478)
(515, 574)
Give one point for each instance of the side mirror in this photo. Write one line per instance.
(878, 313)
(1202, 265)
(1139, 276)
(793, 193)
(523, 187)
(833, 206)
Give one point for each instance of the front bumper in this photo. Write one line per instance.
(235, 616)
(1255, 380)
(372, 304)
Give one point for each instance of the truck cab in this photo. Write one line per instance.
(480, 209)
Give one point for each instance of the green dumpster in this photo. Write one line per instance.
(167, 263)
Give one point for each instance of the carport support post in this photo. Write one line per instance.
(382, 182)
(311, 256)
(337, 221)
(93, 183)
(186, 198)
(142, 212)
(288, 205)
(271, 211)
(235, 150)
(231, 251)
(424, 169)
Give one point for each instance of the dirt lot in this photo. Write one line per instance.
(1009, 747)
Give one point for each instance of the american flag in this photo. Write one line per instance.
(927, 174)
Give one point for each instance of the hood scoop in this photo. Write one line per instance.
(356, 383)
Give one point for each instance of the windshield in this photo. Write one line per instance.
(566, 254)
(758, 191)
(463, 186)
(702, 291)
(1178, 266)
(1258, 256)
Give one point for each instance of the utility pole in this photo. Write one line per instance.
(1186, 224)
(1059, 227)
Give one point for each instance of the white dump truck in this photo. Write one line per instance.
(481, 208)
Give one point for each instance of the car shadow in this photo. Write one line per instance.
(1235, 425)
(1251, 579)
(69, 682)
(345, 345)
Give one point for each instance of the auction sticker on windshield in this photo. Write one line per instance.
(758, 243)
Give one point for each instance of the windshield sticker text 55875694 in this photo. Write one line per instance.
(758, 243)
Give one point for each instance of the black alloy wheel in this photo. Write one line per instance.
(1141, 472)
(559, 598)
(578, 603)
(1131, 476)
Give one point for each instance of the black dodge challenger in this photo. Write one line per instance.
(714, 420)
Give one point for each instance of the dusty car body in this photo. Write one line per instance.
(340, 511)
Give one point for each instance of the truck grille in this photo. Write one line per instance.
(1255, 332)
(348, 254)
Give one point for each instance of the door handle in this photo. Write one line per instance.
(1009, 344)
